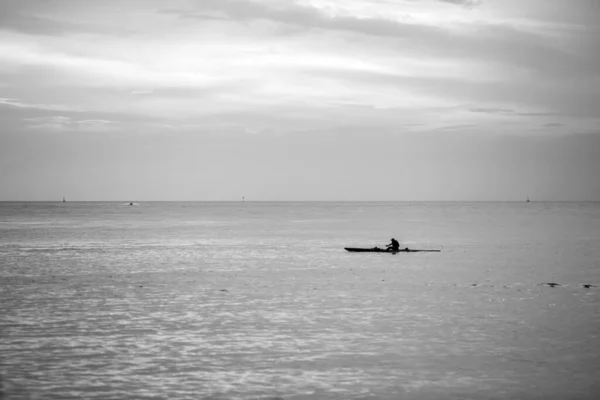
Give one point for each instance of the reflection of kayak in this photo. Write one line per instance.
(378, 250)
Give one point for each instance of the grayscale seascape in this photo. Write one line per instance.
(259, 300)
(197, 198)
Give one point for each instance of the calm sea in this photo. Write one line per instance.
(261, 301)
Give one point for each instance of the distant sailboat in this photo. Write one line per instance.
(528, 199)
(64, 201)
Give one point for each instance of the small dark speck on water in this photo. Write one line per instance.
(223, 290)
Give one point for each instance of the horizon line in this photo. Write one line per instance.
(299, 201)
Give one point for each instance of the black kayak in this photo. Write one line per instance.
(378, 250)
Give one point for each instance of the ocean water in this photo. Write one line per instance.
(261, 301)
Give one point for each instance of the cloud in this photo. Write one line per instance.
(511, 112)
(183, 15)
(527, 92)
(41, 17)
(484, 41)
(62, 123)
(142, 92)
(309, 17)
(457, 127)
(291, 13)
(553, 125)
(100, 71)
(191, 92)
(51, 107)
(536, 114)
(465, 3)
(503, 111)
(14, 15)
(346, 60)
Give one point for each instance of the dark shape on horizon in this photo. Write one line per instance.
(528, 199)
(394, 245)
(378, 250)
(64, 201)
(587, 286)
(551, 284)
(130, 204)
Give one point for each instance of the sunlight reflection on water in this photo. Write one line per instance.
(274, 309)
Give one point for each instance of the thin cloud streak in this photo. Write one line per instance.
(51, 107)
(466, 3)
(62, 123)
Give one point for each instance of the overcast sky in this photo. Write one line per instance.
(300, 100)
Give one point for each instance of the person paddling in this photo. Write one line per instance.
(393, 246)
